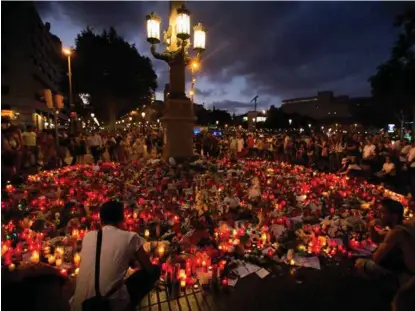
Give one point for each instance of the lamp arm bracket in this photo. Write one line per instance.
(161, 56)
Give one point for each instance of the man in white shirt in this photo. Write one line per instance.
(369, 150)
(119, 249)
(388, 168)
(95, 144)
(29, 138)
(241, 143)
(233, 147)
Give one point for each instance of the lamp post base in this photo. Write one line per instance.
(178, 122)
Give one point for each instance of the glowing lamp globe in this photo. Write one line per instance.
(153, 28)
(199, 37)
(183, 23)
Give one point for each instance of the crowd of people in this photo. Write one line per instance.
(377, 158)
(31, 150)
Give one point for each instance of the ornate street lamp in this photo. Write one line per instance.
(178, 118)
(153, 28)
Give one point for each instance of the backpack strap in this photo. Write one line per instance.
(98, 262)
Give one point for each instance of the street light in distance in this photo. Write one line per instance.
(68, 53)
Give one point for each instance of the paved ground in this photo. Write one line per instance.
(333, 288)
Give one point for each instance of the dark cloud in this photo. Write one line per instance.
(231, 104)
(127, 17)
(204, 93)
(282, 49)
(296, 48)
(210, 92)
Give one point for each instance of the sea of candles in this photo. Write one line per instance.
(73, 195)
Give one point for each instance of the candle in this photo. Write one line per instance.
(76, 259)
(188, 268)
(51, 259)
(64, 272)
(76, 271)
(182, 274)
(146, 233)
(264, 238)
(183, 283)
(59, 251)
(160, 251)
(35, 257)
(12, 266)
(58, 262)
(4, 249)
(75, 233)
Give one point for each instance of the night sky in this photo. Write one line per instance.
(277, 50)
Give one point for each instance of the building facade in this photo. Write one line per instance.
(31, 61)
(321, 107)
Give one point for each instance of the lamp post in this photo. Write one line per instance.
(194, 66)
(68, 53)
(179, 116)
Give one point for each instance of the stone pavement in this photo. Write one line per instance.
(331, 289)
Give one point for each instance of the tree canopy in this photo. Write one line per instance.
(393, 85)
(112, 71)
(206, 117)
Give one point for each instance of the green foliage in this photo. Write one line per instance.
(393, 85)
(112, 71)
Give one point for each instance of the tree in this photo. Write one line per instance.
(206, 117)
(112, 71)
(393, 85)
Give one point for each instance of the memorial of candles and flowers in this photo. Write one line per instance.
(200, 220)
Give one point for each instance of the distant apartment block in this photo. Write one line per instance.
(323, 106)
(31, 61)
